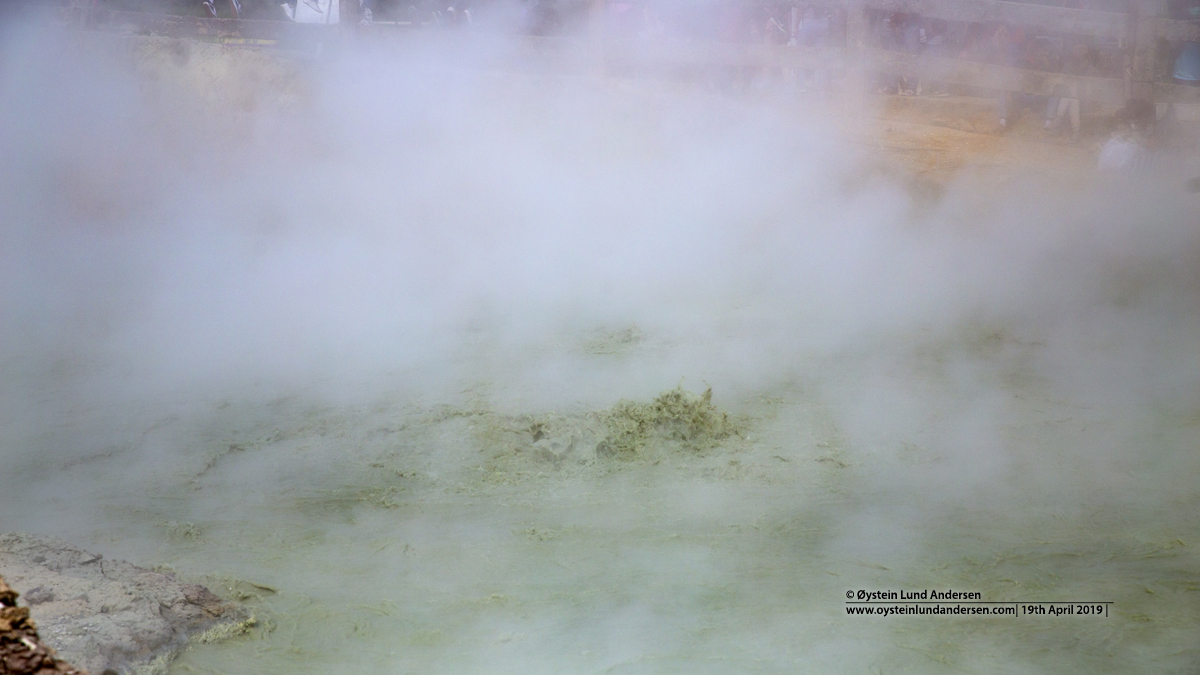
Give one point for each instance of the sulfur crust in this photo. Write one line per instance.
(676, 415)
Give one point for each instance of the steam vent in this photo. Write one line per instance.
(600, 337)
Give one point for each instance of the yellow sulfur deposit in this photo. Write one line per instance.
(675, 415)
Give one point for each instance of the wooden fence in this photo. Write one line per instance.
(1138, 32)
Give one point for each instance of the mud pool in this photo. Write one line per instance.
(345, 343)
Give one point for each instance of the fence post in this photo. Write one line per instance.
(1142, 45)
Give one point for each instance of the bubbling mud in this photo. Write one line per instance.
(391, 353)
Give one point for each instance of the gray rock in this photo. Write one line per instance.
(38, 595)
(108, 614)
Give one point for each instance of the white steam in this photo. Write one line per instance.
(200, 245)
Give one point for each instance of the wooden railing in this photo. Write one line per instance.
(1137, 33)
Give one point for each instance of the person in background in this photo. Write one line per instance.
(812, 31)
(1078, 62)
(235, 8)
(774, 32)
(1040, 54)
(653, 25)
(937, 45)
(900, 32)
(1004, 49)
(814, 28)
(886, 34)
(457, 17)
(1132, 147)
(1186, 10)
(542, 17)
(1187, 65)
(913, 39)
(1187, 61)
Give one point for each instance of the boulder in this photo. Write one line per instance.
(21, 650)
(104, 614)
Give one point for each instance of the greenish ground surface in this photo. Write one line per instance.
(349, 341)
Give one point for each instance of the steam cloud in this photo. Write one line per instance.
(183, 224)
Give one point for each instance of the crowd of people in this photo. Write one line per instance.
(820, 24)
(1005, 45)
(815, 25)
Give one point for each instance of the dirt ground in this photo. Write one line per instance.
(940, 138)
(929, 139)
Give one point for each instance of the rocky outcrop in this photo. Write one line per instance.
(21, 650)
(104, 614)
